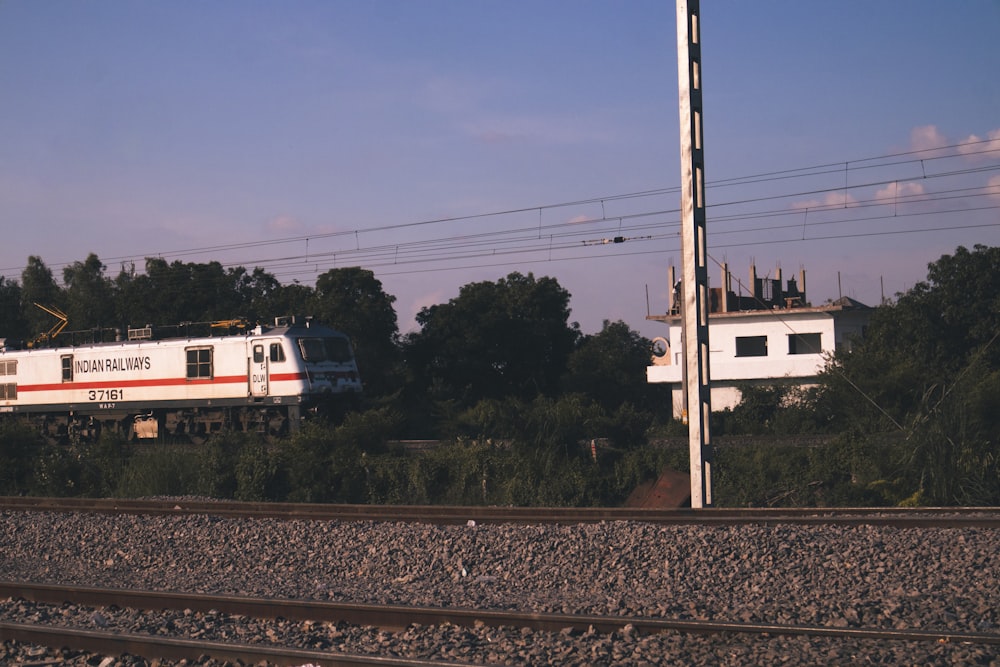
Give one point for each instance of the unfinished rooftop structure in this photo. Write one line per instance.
(763, 332)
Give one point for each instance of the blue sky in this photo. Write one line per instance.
(444, 142)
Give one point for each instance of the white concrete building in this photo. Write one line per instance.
(771, 337)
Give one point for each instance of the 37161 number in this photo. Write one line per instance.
(106, 394)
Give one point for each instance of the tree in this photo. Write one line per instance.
(131, 306)
(610, 367)
(508, 338)
(211, 292)
(294, 298)
(352, 300)
(38, 286)
(89, 295)
(13, 325)
(156, 296)
(926, 371)
(932, 333)
(961, 298)
(178, 292)
(259, 294)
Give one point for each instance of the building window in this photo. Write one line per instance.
(199, 362)
(67, 367)
(751, 346)
(808, 343)
(277, 352)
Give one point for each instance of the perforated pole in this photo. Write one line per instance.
(694, 251)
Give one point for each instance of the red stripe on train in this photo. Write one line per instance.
(157, 382)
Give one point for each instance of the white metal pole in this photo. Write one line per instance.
(694, 251)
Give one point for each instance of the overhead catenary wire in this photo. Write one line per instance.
(655, 225)
(469, 246)
(465, 245)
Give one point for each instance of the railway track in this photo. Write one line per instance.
(926, 517)
(156, 649)
(479, 622)
(387, 617)
(400, 617)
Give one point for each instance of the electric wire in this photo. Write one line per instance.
(567, 239)
(402, 251)
(641, 226)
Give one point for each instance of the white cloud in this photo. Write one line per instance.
(901, 191)
(976, 148)
(926, 138)
(929, 138)
(284, 224)
(831, 200)
(993, 186)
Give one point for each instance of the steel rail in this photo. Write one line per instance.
(153, 647)
(399, 617)
(927, 517)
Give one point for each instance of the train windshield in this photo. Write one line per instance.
(315, 350)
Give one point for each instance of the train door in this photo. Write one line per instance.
(259, 372)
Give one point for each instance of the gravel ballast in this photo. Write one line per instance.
(866, 576)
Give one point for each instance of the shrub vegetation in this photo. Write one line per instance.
(528, 411)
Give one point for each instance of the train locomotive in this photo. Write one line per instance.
(153, 383)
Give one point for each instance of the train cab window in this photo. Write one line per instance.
(325, 349)
(67, 367)
(199, 362)
(277, 352)
(258, 354)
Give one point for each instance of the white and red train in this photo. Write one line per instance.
(263, 379)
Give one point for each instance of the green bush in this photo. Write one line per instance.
(162, 470)
(257, 472)
(20, 450)
(541, 457)
(218, 459)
